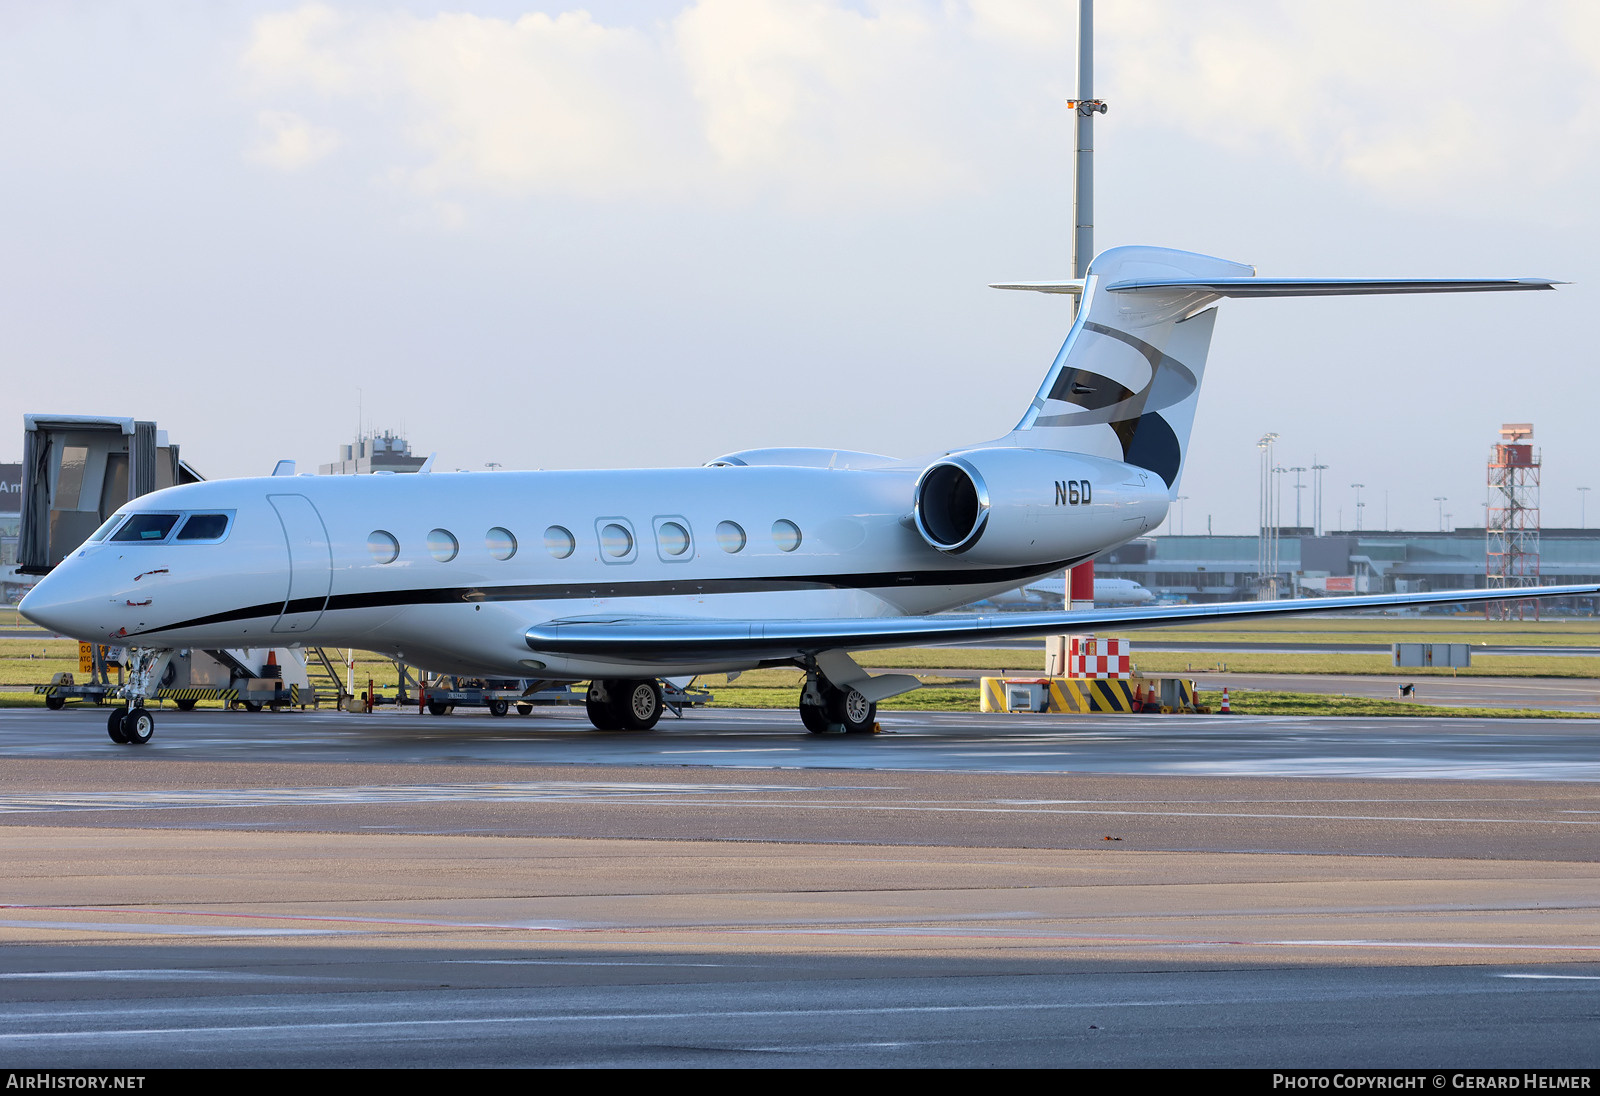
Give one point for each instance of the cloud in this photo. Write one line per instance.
(1436, 103)
(289, 142)
(728, 97)
(1432, 104)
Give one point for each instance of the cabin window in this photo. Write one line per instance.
(786, 535)
(383, 546)
(672, 538)
(442, 545)
(204, 527)
(146, 528)
(500, 542)
(616, 541)
(730, 537)
(559, 541)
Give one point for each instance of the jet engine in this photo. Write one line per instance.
(1021, 506)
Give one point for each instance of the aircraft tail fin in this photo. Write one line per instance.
(1127, 380)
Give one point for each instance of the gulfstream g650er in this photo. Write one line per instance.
(767, 557)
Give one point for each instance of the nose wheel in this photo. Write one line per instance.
(131, 726)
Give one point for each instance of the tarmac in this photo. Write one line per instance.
(394, 889)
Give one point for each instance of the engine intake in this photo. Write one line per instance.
(951, 505)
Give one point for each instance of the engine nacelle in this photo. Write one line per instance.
(1020, 506)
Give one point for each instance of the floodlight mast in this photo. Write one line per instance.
(1084, 108)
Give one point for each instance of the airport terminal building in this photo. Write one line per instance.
(1227, 568)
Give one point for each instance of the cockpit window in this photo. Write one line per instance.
(101, 533)
(146, 528)
(204, 527)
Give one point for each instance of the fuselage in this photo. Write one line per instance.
(448, 571)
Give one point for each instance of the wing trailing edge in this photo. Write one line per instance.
(688, 639)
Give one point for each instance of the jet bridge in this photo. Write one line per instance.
(77, 470)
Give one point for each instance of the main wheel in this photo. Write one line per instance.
(815, 718)
(438, 707)
(855, 711)
(114, 726)
(499, 708)
(138, 726)
(186, 705)
(252, 705)
(55, 703)
(601, 713)
(524, 709)
(640, 703)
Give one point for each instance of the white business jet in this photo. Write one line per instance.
(773, 557)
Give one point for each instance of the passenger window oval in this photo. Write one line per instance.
(501, 543)
(559, 541)
(442, 545)
(673, 538)
(730, 537)
(786, 535)
(615, 541)
(383, 546)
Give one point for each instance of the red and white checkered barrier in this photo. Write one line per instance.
(1103, 658)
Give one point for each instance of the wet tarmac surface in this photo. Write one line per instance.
(394, 889)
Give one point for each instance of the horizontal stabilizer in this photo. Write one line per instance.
(1074, 288)
(1298, 287)
(689, 639)
(1335, 287)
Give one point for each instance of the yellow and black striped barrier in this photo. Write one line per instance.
(198, 694)
(1079, 695)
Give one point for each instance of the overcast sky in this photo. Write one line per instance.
(650, 233)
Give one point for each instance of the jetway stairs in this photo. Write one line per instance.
(326, 684)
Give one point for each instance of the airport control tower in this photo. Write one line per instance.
(385, 452)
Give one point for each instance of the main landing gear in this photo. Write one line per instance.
(825, 708)
(624, 704)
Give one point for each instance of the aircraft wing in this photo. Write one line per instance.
(686, 639)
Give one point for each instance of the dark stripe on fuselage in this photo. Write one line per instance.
(451, 595)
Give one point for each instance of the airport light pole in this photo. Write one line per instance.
(1298, 487)
(1359, 504)
(1582, 493)
(1267, 539)
(1180, 500)
(1441, 500)
(1316, 491)
(1084, 108)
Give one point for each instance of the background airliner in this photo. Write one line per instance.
(1050, 593)
(766, 557)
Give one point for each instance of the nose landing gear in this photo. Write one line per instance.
(134, 725)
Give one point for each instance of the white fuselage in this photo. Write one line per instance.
(301, 561)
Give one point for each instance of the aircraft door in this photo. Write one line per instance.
(310, 563)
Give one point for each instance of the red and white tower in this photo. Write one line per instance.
(1512, 544)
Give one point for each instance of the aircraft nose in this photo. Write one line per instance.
(56, 602)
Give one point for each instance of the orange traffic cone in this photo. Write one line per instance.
(1224, 710)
